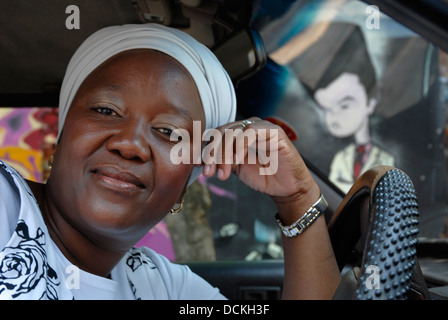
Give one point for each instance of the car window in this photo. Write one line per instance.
(357, 88)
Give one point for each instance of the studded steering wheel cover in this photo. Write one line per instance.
(391, 242)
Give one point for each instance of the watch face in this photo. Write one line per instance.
(305, 221)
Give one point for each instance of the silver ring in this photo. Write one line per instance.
(244, 123)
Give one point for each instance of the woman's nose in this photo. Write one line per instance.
(131, 142)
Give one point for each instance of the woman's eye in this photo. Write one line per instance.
(172, 134)
(165, 131)
(105, 111)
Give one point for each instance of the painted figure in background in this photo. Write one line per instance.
(343, 83)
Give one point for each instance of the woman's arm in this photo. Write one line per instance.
(311, 270)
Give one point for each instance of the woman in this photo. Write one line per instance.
(125, 91)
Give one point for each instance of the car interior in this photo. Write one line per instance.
(388, 223)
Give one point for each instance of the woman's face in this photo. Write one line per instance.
(112, 172)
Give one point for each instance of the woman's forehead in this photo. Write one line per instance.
(142, 57)
(146, 70)
(137, 67)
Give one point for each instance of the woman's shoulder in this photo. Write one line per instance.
(145, 257)
(176, 281)
(10, 189)
(16, 195)
(9, 203)
(12, 181)
(6, 175)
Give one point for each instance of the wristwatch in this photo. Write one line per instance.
(305, 221)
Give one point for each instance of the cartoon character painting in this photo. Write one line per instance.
(344, 86)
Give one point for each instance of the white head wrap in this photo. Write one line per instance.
(214, 85)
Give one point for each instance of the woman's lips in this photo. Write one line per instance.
(118, 180)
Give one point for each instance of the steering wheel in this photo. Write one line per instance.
(374, 236)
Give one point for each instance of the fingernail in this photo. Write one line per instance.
(206, 170)
(220, 173)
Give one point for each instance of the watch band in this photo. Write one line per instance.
(305, 221)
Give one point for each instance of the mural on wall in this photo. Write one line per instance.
(382, 99)
(338, 72)
(357, 95)
(27, 139)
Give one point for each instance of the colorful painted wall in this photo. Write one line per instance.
(27, 139)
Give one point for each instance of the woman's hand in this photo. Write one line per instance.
(267, 161)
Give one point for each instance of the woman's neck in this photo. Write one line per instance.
(96, 257)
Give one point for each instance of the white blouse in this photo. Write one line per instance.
(32, 266)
